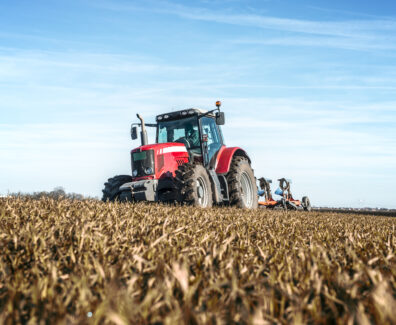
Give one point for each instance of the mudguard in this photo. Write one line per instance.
(224, 158)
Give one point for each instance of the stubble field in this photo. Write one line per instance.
(64, 261)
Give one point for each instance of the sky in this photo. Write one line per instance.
(308, 89)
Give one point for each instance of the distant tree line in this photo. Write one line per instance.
(57, 193)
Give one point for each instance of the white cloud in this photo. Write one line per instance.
(349, 43)
(363, 34)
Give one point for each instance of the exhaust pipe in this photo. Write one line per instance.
(143, 132)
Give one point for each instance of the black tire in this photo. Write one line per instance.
(306, 204)
(111, 191)
(194, 186)
(242, 185)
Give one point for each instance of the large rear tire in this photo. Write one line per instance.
(194, 186)
(111, 191)
(242, 184)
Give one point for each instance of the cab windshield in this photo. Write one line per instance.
(182, 131)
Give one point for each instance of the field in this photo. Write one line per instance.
(69, 262)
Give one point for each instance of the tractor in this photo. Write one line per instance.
(189, 164)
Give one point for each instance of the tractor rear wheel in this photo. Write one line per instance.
(193, 183)
(306, 204)
(111, 191)
(242, 184)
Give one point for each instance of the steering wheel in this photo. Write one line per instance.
(184, 141)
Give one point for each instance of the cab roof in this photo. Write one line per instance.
(182, 114)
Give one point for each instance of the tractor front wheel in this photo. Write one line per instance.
(193, 183)
(111, 191)
(242, 184)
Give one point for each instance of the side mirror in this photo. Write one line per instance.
(134, 132)
(220, 118)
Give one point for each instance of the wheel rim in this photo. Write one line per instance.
(247, 189)
(202, 192)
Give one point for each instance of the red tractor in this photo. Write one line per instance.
(189, 163)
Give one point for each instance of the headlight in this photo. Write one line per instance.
(191, 111)
(184, 113)
(166, 116)
(148, 171)
(159, 118)
(134, 173)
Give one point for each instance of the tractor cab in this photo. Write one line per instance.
(197, 129)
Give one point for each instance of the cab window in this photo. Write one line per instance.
(183, 131)
(209, 128)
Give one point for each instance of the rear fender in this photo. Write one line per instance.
(224, 158)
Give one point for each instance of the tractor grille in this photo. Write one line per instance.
(142, 161)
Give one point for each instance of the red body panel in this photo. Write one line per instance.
(168, 157)
(224, 158)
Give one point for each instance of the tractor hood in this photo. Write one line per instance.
(163, 147)
(158, 161)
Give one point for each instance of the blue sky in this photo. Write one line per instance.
(308, 89)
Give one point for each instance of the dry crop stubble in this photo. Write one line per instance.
(91, 262)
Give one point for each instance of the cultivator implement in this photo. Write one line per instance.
(287, 202)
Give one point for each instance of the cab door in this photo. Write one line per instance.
(210, 131)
